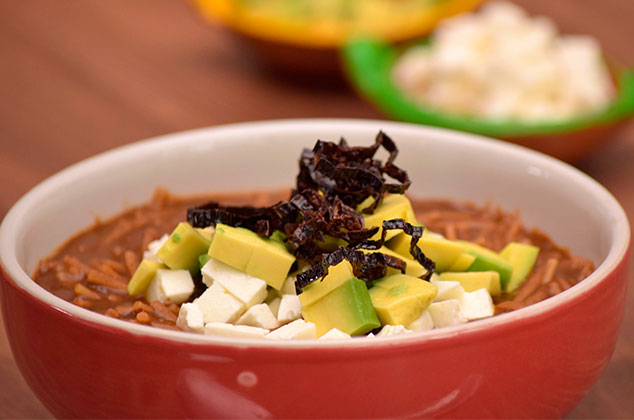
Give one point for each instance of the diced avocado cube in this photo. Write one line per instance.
(412, 267)
(182, 248)
(143, 276)
(463, 262)
(232, 245)
(400, 299)
(271, 262)
(336, 276)
(522, 258)
(347, 307)
(393, 206)
(472, 281)
(488, 260)
(440, 250)
(244, 250)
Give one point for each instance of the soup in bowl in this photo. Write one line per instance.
(81, 363)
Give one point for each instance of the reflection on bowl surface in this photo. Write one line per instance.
(82, 364)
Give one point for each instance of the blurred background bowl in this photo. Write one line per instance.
(369, 64)
(305, 35)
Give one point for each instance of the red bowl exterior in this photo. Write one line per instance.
(535, 367)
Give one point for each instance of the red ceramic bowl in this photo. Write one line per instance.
(535, 362)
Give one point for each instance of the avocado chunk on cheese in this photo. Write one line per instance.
(400, 299)
(232, 245)
(472, 281)
(271, 262)
(143, 276)
(412, 267)
(522, 258)
(336, 276)
(348, 308)
(244, 250)
(182, 248)
(488, 260)
(441, 251)
(393, 206)
(463, 262)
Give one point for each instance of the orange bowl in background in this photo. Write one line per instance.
(305, 35)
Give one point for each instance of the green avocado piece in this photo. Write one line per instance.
(522, 258)
(488, 260)
(143, 276)
(441, 251)
(463, 262)
(472, 281)
(393, 206)
(412, 267)
(347, 307)
(182, 249)
(336, 276)
(399, 299)
(264, 258)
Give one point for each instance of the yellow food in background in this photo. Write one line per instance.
(328, 23)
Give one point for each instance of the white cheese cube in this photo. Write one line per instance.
(190, 318)
(290, 309)
(296, 330)
(153, 248)
(259, 315)
(248, 289)
(423, 323)
(448, 290)
(288, 287)
(274, 305)
(229, 330)
(476, 305)
(334, 334)
(388, 330)
(218, 305)
(446, 313)
(170, 286)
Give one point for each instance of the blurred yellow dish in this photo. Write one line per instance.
(329, 23)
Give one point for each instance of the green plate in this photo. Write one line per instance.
(369, 62)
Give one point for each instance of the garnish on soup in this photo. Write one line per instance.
(346, 253)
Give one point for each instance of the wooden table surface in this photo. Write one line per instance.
(78, 77)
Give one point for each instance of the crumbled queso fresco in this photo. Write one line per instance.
(501, 64)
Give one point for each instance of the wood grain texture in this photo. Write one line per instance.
(78, 77)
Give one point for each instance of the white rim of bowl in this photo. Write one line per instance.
(9, 231)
